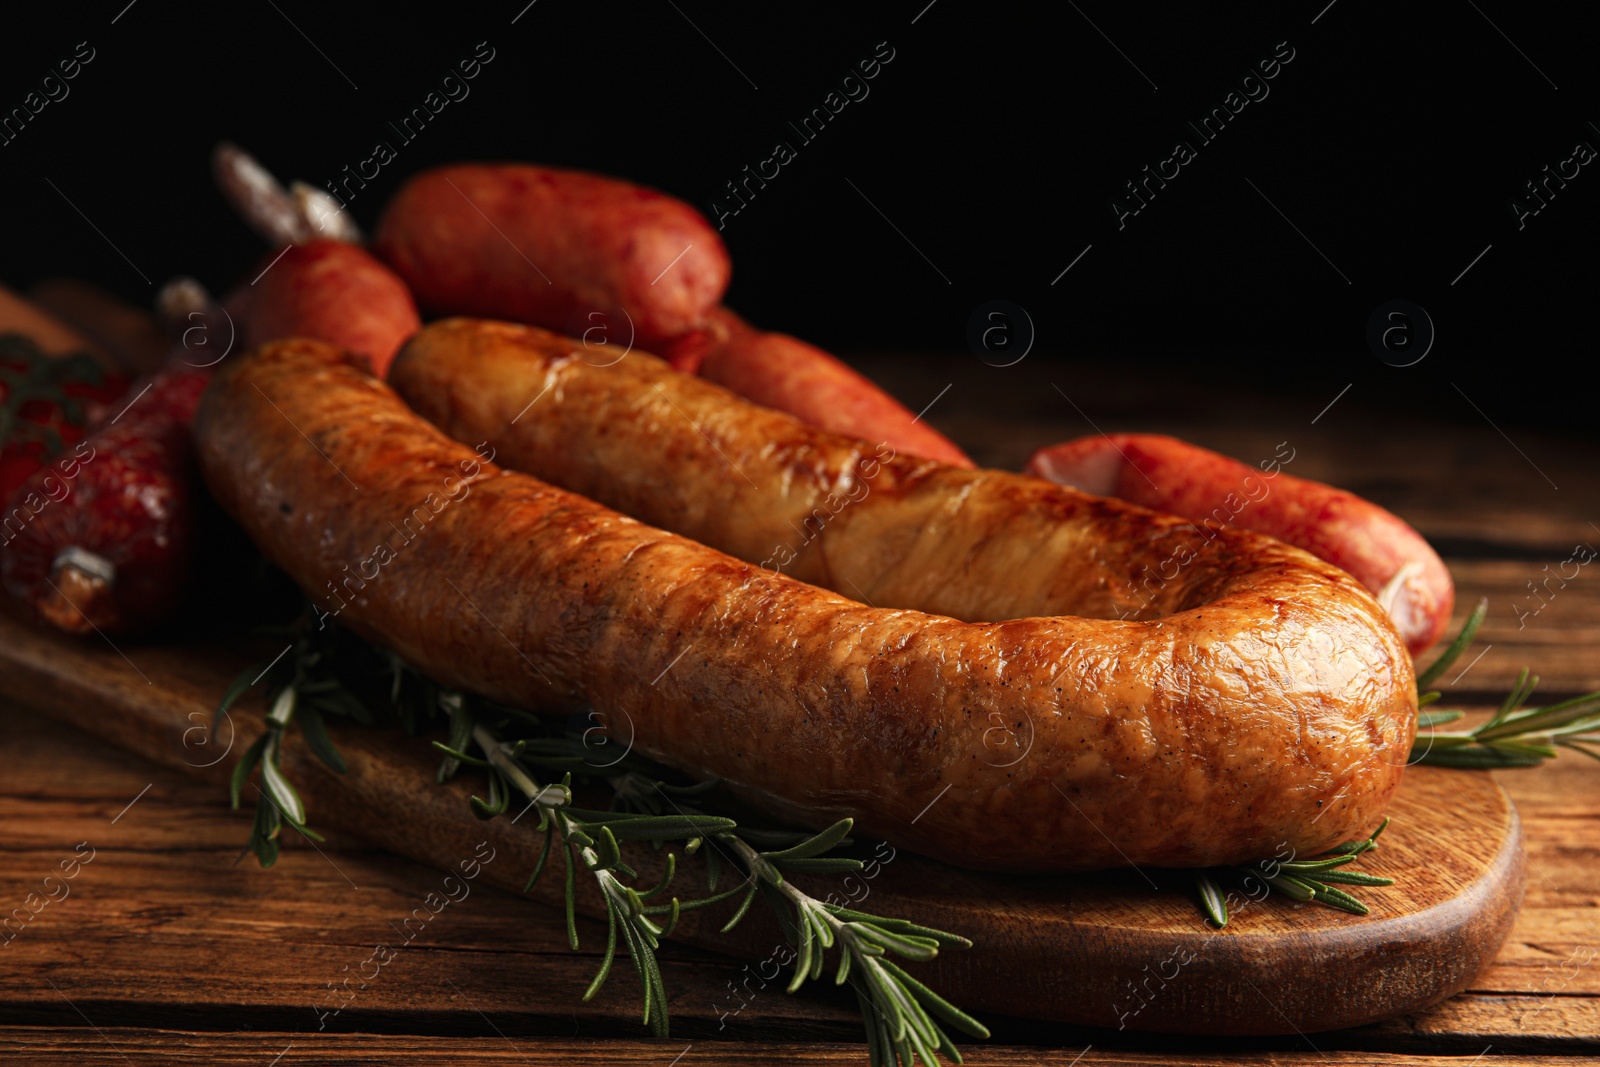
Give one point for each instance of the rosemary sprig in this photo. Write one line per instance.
(1514, 736)
(1313, 880)
(902, 1015)
(302, 686)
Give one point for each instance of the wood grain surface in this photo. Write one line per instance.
(1121, 949)
(165, 951)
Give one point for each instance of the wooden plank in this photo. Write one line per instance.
(167, 877)
(116, 1047)
(1425, 941)
(1555, 638)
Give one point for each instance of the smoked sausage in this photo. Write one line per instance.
(1270, 706)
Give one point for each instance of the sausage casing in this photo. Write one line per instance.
(1276, 715)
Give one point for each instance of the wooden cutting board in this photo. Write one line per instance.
(1123, 949)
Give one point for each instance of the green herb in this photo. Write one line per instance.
(1514, 736)
(317, 674)
(301, 684)
(1314, 880)
(903, 1017)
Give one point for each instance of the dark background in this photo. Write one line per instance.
(993, 142)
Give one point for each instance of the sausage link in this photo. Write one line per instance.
(1377, 547)
(783, 372)
(841, 512)
(547, 246)
(1277, 713)
(329, 291)
(111, 546)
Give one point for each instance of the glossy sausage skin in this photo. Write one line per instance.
(1375, 546)
(547, 246)
(782, 372)
(330, 291)
(841, 512)
(1248, 703)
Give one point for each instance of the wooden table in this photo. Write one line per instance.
(166, 951)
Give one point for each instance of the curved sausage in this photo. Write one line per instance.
(549, 247)
(1273, 707)
(330, 291)
(844, 513)
(1377, 547)
(783, 372)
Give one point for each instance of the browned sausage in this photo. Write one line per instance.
(1273, 708)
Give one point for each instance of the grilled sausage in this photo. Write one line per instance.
(1375, 546)
(1272, 708)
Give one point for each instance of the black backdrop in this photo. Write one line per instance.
(1376, 164)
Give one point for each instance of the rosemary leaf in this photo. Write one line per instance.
(815, 845)
(1212, 901)
(1338, 898)
(246, 764)
(544, 856)
(278, 788)
(611, 954)
(821, 865)
(236, 688)
(316, 735)
(744, 906)
(1353, 878)
(937, 1005)
(458, 756)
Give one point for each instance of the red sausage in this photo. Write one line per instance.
(330, 291)
(108, 539)
(1374, 546)
(784, 373)
(549, 247)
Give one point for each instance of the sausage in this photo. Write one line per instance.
(843, 513)
(107, 542)
(552, 247)
(580, 253)
(1377, 547)
(783, 372)
(1274, 707)
(330, 291)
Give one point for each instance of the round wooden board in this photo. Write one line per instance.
(1112, 950)
(1122, 949)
